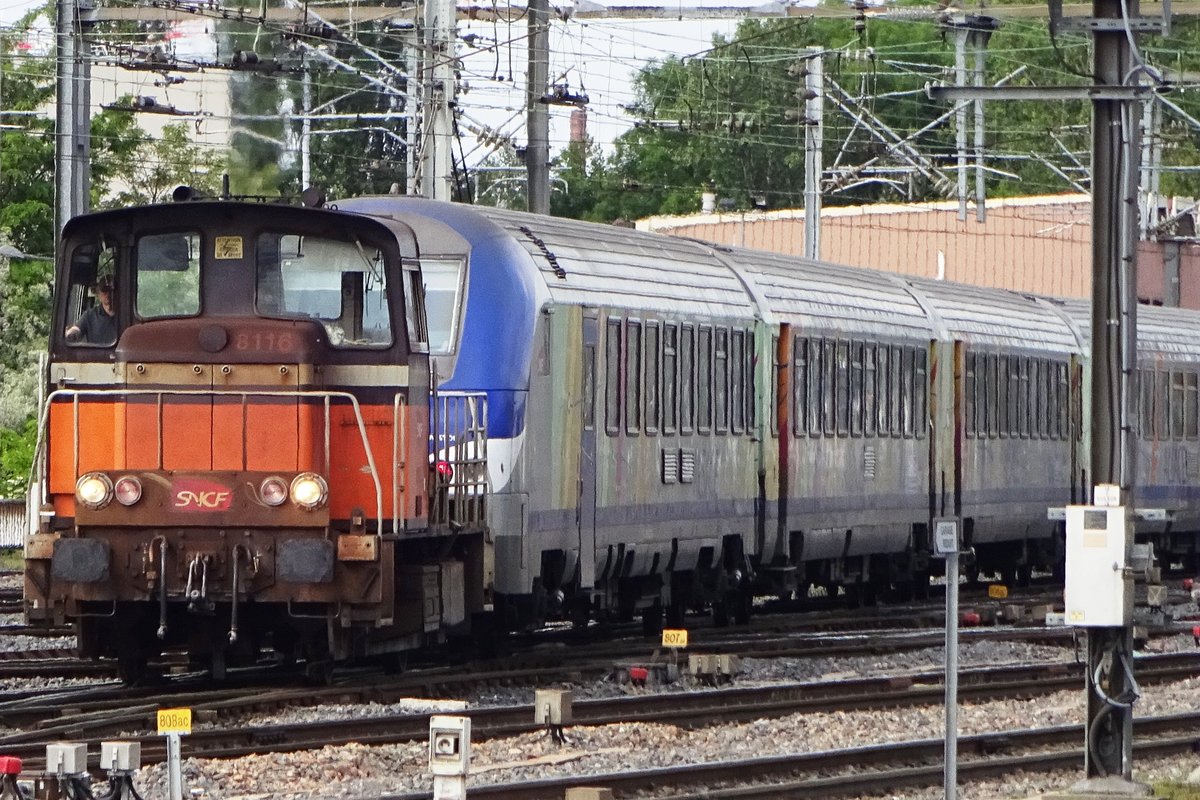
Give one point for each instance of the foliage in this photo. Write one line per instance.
(155, 167)
(16, 457)
(349, 156)
(731, 120)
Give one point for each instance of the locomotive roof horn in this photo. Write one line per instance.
(183, 194)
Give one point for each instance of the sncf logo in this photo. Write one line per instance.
(193, 494)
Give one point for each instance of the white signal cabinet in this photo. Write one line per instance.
(1099, 590)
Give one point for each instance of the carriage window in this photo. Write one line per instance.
(687, 378)
(442, 279)
(737, 381)
(1014, 395)
(633, 376)
(993, 396)
(1189, 400)
(1023, 398)
(1003, 399)
(856, 388)
(1177, 405)
(884, 392)
(1145, 382)
(721, 379)
(921, 412)
(88, 322)
(652, 342)
(906, 391)
(842, 390)
(168, 275)
(800, 385)
(815, 401)
(612, 377)
(670, 374)
(341, 284)
(869, 395)
(1162, 404)
(749, 361)
(588, 390)
(704, 415)
(1064, 397)
(828, 396)
(969, 395)
(896, 384)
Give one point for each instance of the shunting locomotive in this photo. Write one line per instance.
(235, 442)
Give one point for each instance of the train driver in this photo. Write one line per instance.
(97, 325)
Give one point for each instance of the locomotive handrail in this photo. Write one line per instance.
(158, 394)
(399, 440)
(459, 436)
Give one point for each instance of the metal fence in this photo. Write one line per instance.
(13, 524)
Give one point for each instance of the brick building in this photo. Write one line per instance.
(1040, 245)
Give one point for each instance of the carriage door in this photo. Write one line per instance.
(587, 455)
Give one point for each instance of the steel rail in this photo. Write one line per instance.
(686, 709)
(986, 755)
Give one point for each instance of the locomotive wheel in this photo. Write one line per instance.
(318, 673)
(136, 671)
(740, 604)
(652, 620)
(720, 612)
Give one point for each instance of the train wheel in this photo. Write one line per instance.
(135, 671)
(580, 613)
(318, 673)
(720, 612)
(652, 620)
(741, 603)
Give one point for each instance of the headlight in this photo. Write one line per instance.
(309, 491)
(273, 491)
(128, 490)
(94, 490)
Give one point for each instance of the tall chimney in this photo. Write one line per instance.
(579, 125)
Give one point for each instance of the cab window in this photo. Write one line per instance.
(341, 284)
(91, 318)
(167, 275)
(443, 278)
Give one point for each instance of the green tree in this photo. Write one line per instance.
(730, 120)
(156, 167)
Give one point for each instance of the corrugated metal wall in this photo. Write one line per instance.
(12, 523)
(1030, 244)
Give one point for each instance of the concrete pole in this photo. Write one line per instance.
(950, 749)
(438, 93)
(814, 136)
(413, 102)
(306, 132)
(72, 129)
(537, 154)
(961, 32)
(1115, 168)
(980, 39)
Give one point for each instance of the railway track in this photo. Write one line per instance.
(688, 709)
(857, 771)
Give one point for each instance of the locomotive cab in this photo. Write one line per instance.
(234, 445)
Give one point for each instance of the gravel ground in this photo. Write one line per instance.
(358, 771)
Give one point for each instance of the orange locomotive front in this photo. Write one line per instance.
(234, 448)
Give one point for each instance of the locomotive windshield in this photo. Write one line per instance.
(168, 275)
(341, 284)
